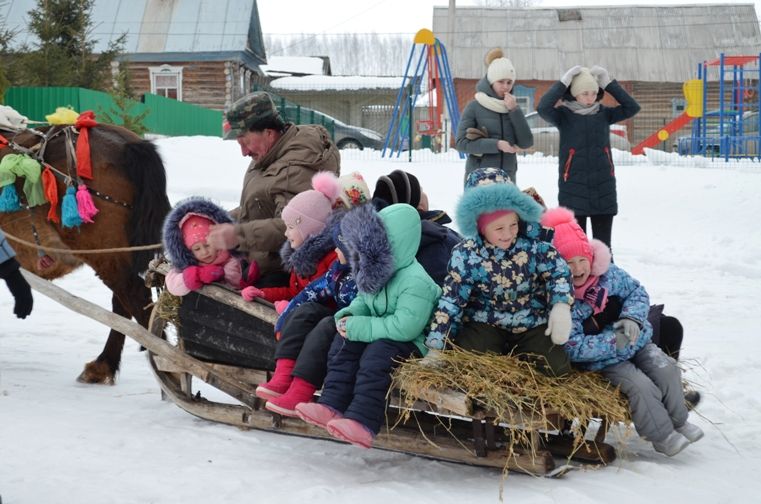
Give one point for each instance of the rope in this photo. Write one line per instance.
(16, 239)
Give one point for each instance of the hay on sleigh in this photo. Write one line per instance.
(505, 385)
(168, 307)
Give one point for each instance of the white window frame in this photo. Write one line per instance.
(166, 70)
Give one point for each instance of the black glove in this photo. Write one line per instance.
(17, 284)
(609, 314)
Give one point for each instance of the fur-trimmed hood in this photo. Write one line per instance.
(174, 247)
(488, 190)
(380, 243)
(304, 260)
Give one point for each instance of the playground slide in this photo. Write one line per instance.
(693, 94)
(663, 134)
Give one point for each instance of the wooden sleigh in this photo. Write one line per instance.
(219, 339)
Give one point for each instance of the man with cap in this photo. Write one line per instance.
(284, 157)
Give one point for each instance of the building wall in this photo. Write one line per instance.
(210, 84)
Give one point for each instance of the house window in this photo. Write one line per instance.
(167, 81)
(677, 106)
(524, 96)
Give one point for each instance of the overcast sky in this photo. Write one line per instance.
(392, 16)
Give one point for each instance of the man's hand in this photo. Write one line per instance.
(222, 236)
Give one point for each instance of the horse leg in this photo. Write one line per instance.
(104, 368)
(129, 301)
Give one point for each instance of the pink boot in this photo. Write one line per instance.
(300, 391)
(317, 414)
(280, 381)
(352, 432)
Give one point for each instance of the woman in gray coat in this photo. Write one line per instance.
(492, 127)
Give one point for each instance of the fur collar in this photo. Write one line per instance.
(174, 247)
(371, 257)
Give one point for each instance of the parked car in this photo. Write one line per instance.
(716, 144)
(547, 136)
(345, 135)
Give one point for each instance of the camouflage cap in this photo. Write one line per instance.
(246, 112)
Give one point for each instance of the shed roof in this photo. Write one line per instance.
(644, 43)
(176, 29)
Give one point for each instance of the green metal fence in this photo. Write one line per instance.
(166, 117)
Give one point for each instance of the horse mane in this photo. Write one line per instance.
(143, 166)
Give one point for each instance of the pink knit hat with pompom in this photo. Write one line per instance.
(570, 241)
(308, 211)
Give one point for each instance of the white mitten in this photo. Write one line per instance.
(602, 76)
(628, 328)
(559, 323)
(570, 74)
(432, 359)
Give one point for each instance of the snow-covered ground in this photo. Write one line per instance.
(687, 231)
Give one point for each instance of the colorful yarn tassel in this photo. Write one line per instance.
(85, 204)
(9, 199)
(69, 213)
(50, 189)
(85, 121)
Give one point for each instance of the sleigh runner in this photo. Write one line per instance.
(216, 337)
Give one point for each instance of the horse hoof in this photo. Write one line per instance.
(97, 373)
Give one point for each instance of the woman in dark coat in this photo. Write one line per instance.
(492, 127)
(587, 177)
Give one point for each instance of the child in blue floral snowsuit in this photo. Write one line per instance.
(505, 290)
(611, 335)
(305, 331)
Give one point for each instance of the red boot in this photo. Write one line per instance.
(317, 414)
(300, 391)
(280, 381)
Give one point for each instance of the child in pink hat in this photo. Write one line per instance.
(309, 249)
(611, 334)
(195, 262)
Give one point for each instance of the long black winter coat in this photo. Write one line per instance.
(587, 177)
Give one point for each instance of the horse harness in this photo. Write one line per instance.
(37, 152)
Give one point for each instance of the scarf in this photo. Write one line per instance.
(578, 108)
(592, 294)
(491, 103)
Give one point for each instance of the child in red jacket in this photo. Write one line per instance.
(309, 248)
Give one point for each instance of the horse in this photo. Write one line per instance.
(128, 187)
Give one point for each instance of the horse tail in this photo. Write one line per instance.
(150, 204)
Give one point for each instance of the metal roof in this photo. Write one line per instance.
(177, 29)
(642, 43)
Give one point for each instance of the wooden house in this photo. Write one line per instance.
(204, 52)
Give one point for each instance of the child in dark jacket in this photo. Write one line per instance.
(383, 325)
(195, 262)
(309, 250)
(305, 331)
(619, 346)
(587, 177)
(436, 239)
(505, 290)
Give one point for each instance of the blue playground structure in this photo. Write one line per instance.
(431, 69)
(733, 130)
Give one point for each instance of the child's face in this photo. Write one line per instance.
(587, 98)
(204, 252)
(501, 232)
(294, 237)
(580, 269)
(502, 87)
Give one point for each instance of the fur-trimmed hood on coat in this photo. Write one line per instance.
(174, 247)
(488, 190)
(304, 260)
(380, 243)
